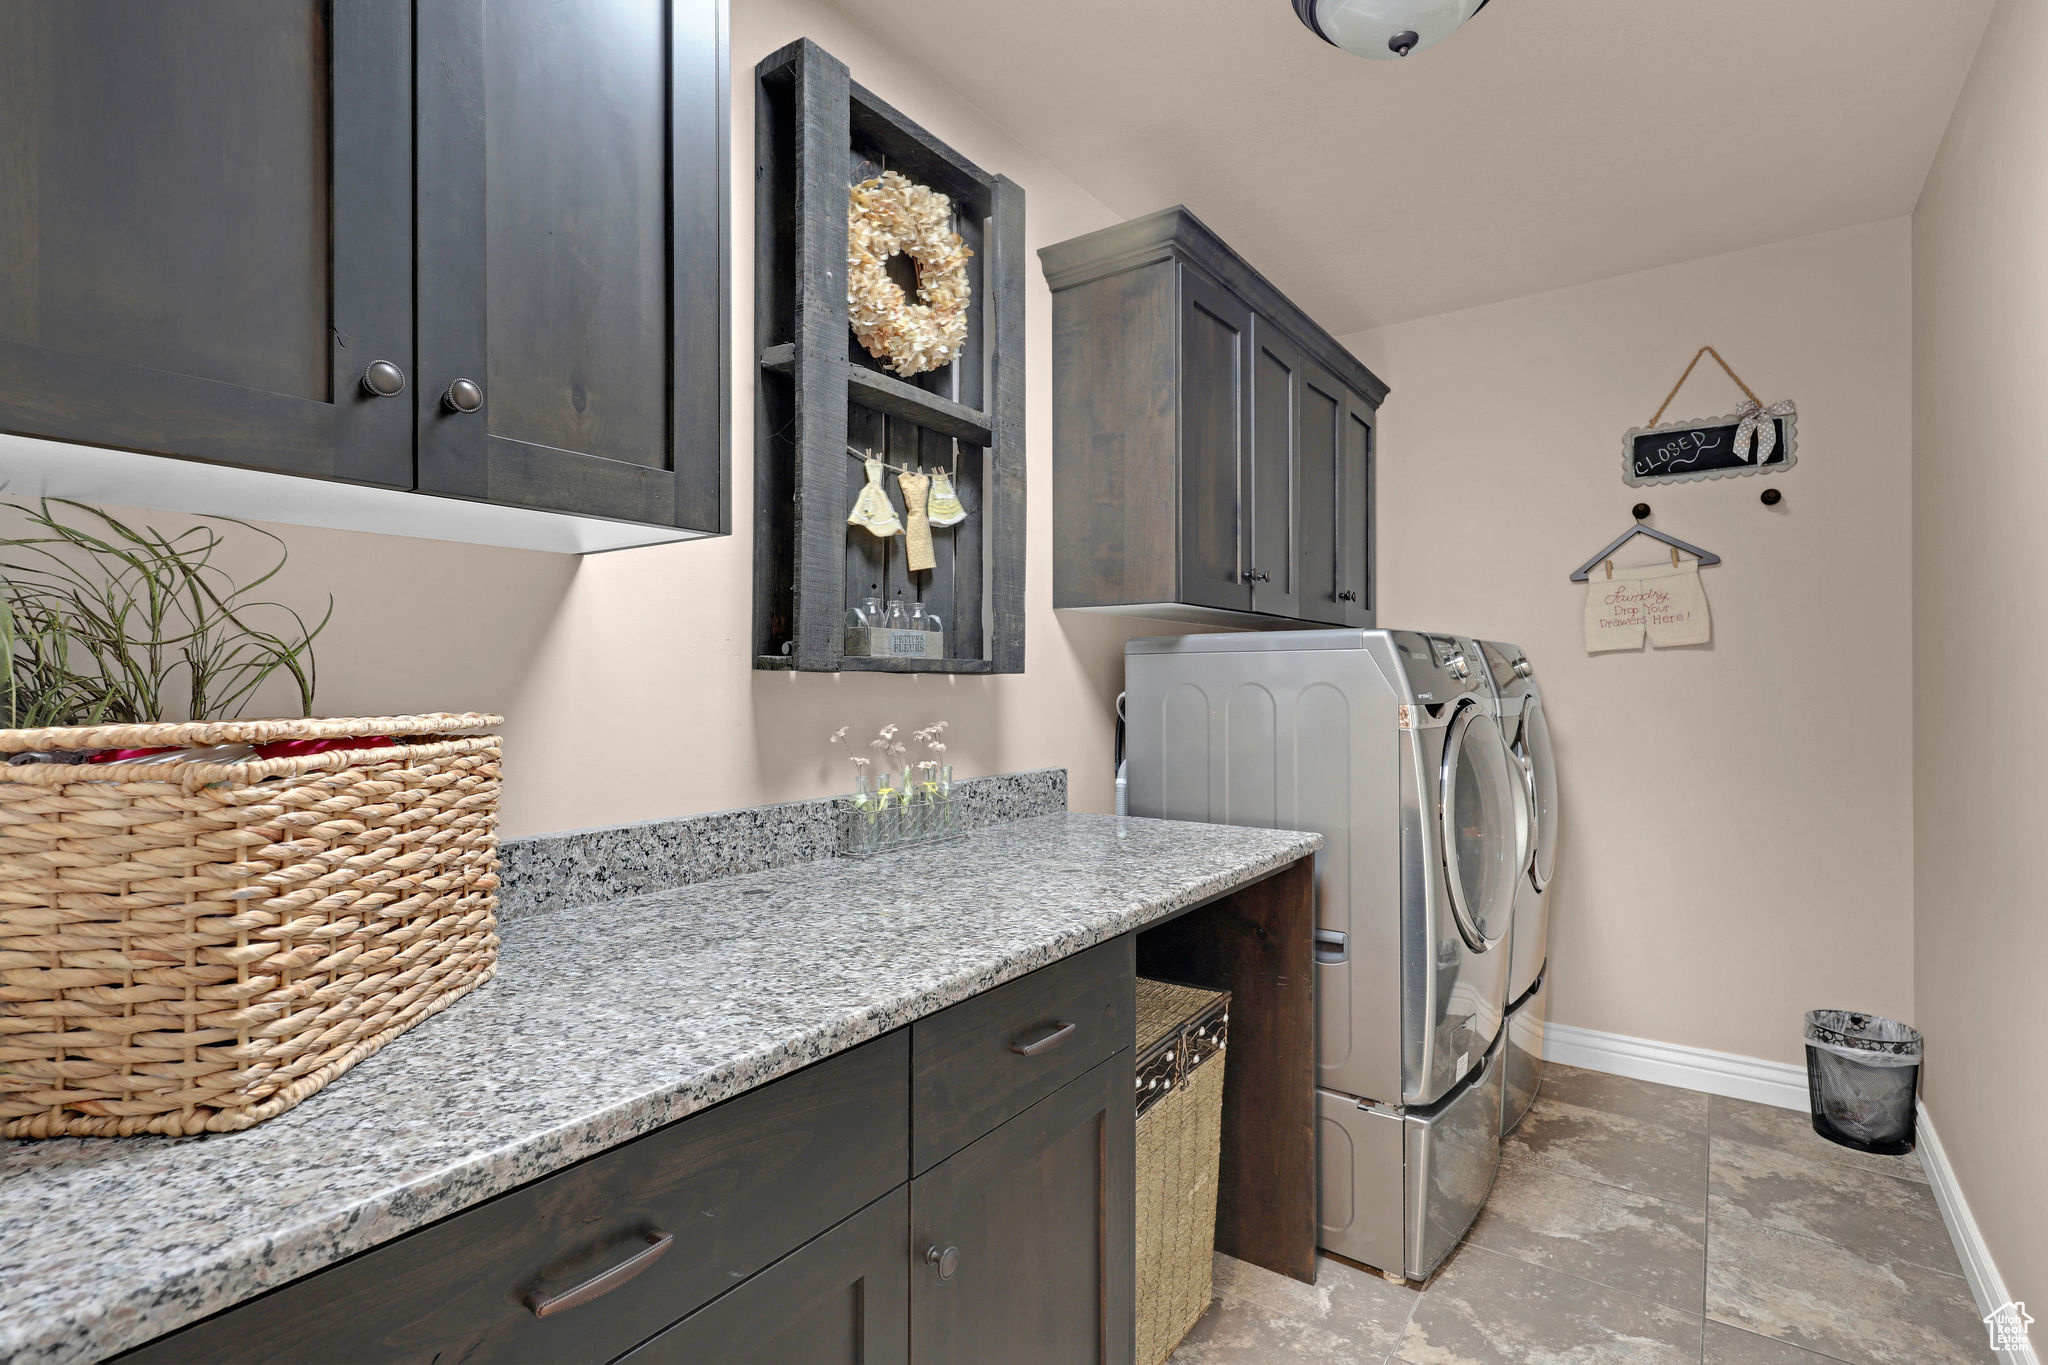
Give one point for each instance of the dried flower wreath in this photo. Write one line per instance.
(887, 215)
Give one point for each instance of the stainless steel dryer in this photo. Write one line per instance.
(1528, 736)
(1388, 744)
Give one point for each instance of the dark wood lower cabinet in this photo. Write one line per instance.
(843, 1299)
(1022, 1242)
(778, 1228)
(730, 1189)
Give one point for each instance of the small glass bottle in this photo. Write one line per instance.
(899, 615)
(920, 619)
(864, 617)
(860, 816)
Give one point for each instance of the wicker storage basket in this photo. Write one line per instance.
(196, 947)
(1181, 1037)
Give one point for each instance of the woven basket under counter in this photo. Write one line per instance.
(197, 947)
(1182, 1031)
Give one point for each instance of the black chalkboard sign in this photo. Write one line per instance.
(1679, 452)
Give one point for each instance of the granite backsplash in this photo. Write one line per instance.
(585, 866)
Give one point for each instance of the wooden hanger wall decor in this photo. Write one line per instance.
(1642, 510)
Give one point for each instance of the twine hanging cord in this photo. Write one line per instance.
(1704, 350)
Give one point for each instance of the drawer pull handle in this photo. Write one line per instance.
(945, 1262)
(605, 1281)
(1044, 1042)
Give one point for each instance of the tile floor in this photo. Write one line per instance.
(1641, 1223)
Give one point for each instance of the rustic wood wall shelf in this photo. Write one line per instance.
(819, 133)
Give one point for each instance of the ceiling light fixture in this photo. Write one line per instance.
(1385, 28)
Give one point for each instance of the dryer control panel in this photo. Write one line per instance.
(1507, 663)
(1440, 668)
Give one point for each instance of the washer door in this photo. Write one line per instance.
(1482, 857)
(1535, 751)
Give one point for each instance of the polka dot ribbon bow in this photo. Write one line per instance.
(1758, 425)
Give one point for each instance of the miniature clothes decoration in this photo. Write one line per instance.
(944, 508)
(917, 539)
(1759, 425)
(1665, 603)
(1676, 604)
(872, 508)
(1614, 615)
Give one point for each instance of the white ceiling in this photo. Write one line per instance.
(1548, 143)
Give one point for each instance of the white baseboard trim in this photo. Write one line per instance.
(1783, 1085)
(1986, 1284)
(1694, 1068)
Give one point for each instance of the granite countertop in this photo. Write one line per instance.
(603, 1023)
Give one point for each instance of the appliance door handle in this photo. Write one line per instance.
(1054, 1035)
(1332, 947)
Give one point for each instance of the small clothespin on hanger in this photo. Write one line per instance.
(1610, 568)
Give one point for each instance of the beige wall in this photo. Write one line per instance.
(1737, 819)
(1980, 595)
(627, 676)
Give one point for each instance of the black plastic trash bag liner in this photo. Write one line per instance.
(1862, 1073)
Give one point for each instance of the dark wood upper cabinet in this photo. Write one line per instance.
(571, 235)
(1322, 438)
(1357, 585)
(220, 218)
(1272, 558)
(1212, 446)
(1336, 501)
(1215, 448)
(206, 229)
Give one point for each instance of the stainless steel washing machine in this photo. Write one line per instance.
(1527, 734)
(1387, 743)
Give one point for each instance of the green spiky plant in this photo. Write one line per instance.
(102, 622)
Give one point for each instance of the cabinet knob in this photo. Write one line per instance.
(1347, 596)
(383, 380)
(464, 395)
(1257, 576)
(947, 1260)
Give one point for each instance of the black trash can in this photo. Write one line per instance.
(1862, 1074)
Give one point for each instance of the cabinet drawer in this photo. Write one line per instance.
(843, 1299)
(985, 1059)
(734, 1188)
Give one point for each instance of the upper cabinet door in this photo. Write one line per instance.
(206, 230)
(1323, 403)
(1215, 445)
(1356, 582)
(1273, 557)
(572, 308)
